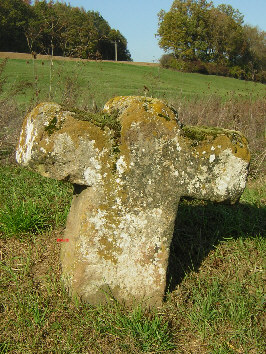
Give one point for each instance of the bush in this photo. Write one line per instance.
(237, 72)
(217, 69)
(166, 60)
(196, 66)
(260, 77)
(169, 61)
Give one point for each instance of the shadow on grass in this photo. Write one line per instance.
(200, 226)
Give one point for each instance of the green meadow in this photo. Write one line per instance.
(102, 80)
(216, 300)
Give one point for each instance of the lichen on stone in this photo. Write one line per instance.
(100, 119)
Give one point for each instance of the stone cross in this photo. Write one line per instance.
(129, 166)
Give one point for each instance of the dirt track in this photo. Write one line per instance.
(26, 56)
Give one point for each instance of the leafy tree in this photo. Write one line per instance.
(257, 44)
(14, 16)
(227, 39)
(107, 46)
(184, 29)
(58, 29)
(50, 26)
(205, 38)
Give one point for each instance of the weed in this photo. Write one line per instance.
(3, 64)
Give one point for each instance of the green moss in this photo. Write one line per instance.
(101, 120)
(164, 116)
(51, 128)
(206, 133)
(203, 138)
(201, 133)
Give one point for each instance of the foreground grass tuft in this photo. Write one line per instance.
(30, 203)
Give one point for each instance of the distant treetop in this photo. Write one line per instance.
(202, 37)
(56, 28)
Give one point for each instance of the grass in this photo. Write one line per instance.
(216, 282)
(29, 203)
(100, 81)
(224, 302)
(216, 301)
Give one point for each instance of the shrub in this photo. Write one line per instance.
(237, 72)
(260, 77)
(166, 60)
(169, 61)
(211, 68)
(217, 69)
(196, 66)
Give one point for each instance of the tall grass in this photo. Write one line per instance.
(236, 114)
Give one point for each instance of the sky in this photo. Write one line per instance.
(137, 20)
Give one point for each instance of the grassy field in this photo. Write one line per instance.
(216, 298)
(100, 81)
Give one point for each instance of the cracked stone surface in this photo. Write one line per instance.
(127, 185)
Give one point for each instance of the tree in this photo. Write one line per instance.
(114, 43)
(56, 28)
(32, 32)
(194, 30)
(78, 35)
(184, 30)
(50, 26)
(227, 39)
(257, 45)
(14, 16)
(229, 11)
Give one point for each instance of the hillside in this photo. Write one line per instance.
(102, 80)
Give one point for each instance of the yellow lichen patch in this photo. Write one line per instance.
(109, 249)
(154, 106)
(142, 118)
(76, 130)
(42, 170)
(152, 117)
(207, 141)
(46, 145)
(236, 142)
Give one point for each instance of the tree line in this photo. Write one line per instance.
(200, 37)
(56, 28)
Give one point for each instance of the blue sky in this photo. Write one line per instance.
(138, 22)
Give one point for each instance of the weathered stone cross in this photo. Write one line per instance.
(129, 166)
